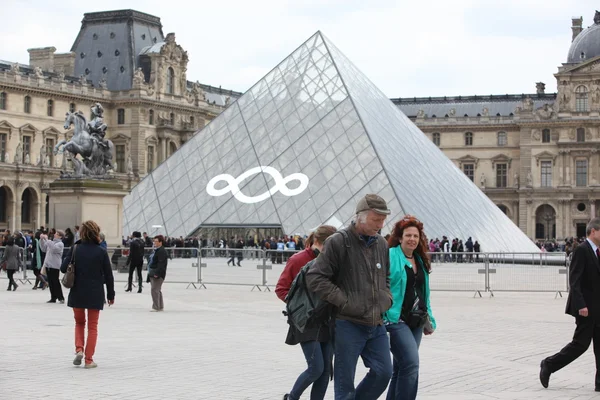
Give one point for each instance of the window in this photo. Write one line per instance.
(469, 139)
(3, 101)
(545, 135)
(546, 168)
(151, 117)
(501, 175)
(192, 121)
(150, 159)
(3, 204)
(581, 135)
(172, 119)
(49, 151)
(26, 207)
(581, 99)
(502, 139)
(50, 108)
(120, 158)
(3, 143)
(581, 172)
(27, 105)
(436, 139)
(121, 116)
(72, 107)
(469, 170)
(26, 147)
(170, 80)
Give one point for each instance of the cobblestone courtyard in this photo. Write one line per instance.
(226, 342)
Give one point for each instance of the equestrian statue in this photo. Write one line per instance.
(87, 141)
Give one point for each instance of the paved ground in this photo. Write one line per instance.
(226, 342)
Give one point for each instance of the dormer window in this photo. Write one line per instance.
(582, 55)
(170, 80)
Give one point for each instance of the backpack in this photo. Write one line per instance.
(304, 308)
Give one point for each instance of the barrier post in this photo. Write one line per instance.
(24, 264)
(264, 266)
(199, 265)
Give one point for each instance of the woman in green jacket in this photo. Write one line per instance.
(410, 315)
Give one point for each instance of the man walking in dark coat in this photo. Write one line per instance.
(135, 260)
(583, 304)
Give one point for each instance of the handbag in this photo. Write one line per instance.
(68, 279)
(43, 271)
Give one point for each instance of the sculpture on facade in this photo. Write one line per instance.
(27, 159)
(88, 142)
(38, 73)
(485, 112)
(421, 113)
(516, 180)
(529, 179)
(482, 180)
(6, 157)
(102, 84)
(138, 77)
(19, 154)
(15, 69)
(452, 112)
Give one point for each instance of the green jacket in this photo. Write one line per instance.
(398, 263)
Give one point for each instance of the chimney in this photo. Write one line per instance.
(42, 57)
(577, 26)
(540, 87)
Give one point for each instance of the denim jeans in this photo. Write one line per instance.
(404, 343)
(369, 342)
(318, 360)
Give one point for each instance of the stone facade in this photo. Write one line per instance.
(146, 123)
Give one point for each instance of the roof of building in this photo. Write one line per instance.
(471, 106)
(587, 44)
(109, 42)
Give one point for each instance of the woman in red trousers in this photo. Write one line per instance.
(92, 272)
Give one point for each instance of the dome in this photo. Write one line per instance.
(586, 45)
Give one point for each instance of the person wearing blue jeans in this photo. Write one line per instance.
(353, 274)
(410, 315)
(318, 360)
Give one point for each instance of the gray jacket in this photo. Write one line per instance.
(12, 257)
(54, 251)
(355, 279)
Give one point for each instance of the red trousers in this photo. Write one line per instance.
(92, 328)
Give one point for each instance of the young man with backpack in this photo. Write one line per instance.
(355, 278)
(314, 338)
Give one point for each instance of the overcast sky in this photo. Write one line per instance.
(407, 48)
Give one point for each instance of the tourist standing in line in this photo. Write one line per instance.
(135, 260)
(12, 258)
(583, 303)
(92, 272)
(157, 272)
(315, 341)
(354, 277)
(54, 251)
(410, 315)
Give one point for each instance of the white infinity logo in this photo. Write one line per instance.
(233, 185)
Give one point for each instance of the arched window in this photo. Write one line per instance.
(151, 117)
(581, 135)
(545, 135)
(503, 208)
(172, 148)
(581, 99)
(50, 108)
(436, 139)
(72, 107)
(3, 101)
(502, 139)
(170, 80)
(469, 139)
(27, 105)
(26, 207)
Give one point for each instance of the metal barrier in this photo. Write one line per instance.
(260, 269)
(23, 269)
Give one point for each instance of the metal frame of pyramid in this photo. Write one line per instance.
(300, 148)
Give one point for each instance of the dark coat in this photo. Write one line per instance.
(136, 252)
(584, 279)
(158, 266)
(92, 271)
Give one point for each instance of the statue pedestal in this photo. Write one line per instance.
(73, 201)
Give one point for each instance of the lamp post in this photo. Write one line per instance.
(548, 217)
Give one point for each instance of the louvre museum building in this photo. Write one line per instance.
(303, 144)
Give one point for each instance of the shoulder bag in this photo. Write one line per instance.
(68, 279)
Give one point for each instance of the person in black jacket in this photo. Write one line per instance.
(583, 304)
(135, 260)
(157, 272)
(92, 272)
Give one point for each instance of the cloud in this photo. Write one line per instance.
(408, 49)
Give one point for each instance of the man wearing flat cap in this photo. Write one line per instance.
(352, 273)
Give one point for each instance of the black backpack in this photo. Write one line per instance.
(304, 308)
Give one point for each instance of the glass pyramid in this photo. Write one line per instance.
(300, 148)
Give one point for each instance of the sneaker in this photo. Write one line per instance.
(78, 358)
(90, 365)
(51, 301)
(286, 396)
